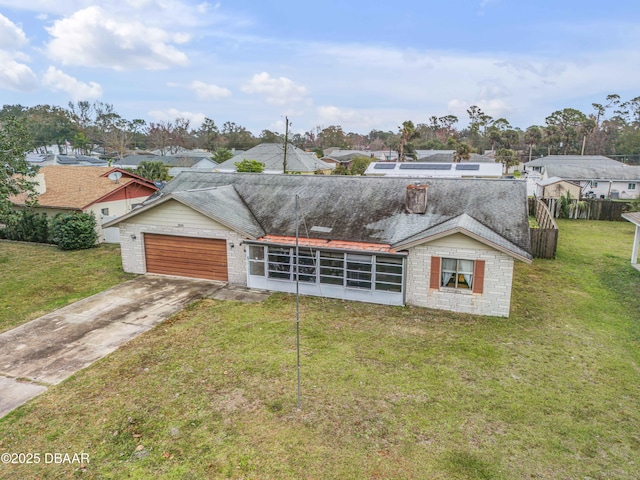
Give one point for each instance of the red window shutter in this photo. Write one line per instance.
(434, 278)
(478, 276)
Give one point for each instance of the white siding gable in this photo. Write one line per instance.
(459, 240)
(175, 214)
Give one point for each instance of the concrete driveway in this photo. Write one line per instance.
(49, 349)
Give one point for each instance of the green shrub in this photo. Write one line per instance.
(249, 166)
(26, 226)
(74, 231)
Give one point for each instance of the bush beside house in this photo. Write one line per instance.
(71, 231)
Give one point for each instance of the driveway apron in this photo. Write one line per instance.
(51, 348)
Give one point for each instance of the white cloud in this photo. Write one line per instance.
(11, 36)
(14, 74)
(170, 115)
(354, 119)
(277, 91)
(158, 13)
(92, 37)
(209, 91)
(77, 90)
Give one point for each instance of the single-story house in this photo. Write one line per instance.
(272, 156)
(438, 156)
(345, 157)
(634, 217)
(444, 156)
(106, 192)
(439, 170)
(63, 159)
(555, 187)
(597, 175)
(177, 163)
(442, 243)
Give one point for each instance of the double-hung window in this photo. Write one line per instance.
(256, 260)
(456, 273)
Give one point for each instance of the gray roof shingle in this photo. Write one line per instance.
(225, 205)
(366, 209)
(586, 167)
(272, 155)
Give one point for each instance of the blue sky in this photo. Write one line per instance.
(362, 65)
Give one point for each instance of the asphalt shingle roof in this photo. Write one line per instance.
(225, 205)
(586, 167)
(75, 187)
(366, 209)
(272, 155)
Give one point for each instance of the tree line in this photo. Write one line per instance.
(612, 128)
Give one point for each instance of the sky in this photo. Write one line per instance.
(362, 65)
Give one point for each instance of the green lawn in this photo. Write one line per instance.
(387, 392)
(37, 279)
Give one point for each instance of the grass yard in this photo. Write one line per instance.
(387, 392)
(37, 279)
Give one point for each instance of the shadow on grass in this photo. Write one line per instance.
(470, 466)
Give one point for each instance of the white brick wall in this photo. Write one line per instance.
(133, 249)
(495, 299)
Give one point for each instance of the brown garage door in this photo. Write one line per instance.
(186, 256)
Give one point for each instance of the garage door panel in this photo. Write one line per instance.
(186, 256)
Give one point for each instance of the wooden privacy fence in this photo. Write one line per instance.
(591, 209)
(544, 239)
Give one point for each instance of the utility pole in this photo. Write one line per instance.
(286, 142)
(297, 273)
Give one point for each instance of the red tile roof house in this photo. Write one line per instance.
(64, 189)
(441, 243)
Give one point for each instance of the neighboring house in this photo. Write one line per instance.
(435, 170)
(555, 187)
(441, 243)
(345, 157)
(64, 189)
(597, 175)
(177, 163)
(532, 178)
(438, 156)
(272, 156)
(634, 217)
(60, 159)
(443, 156)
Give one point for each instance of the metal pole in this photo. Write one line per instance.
(286, 141)
(297, 270)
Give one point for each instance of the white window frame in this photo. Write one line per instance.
(461, 275)
(350, 270)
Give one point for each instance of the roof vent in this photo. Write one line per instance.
(320, 229)
(416, 198)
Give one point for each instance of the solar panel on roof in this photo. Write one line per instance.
(385, 166)
(425, 166)
(467, 166)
